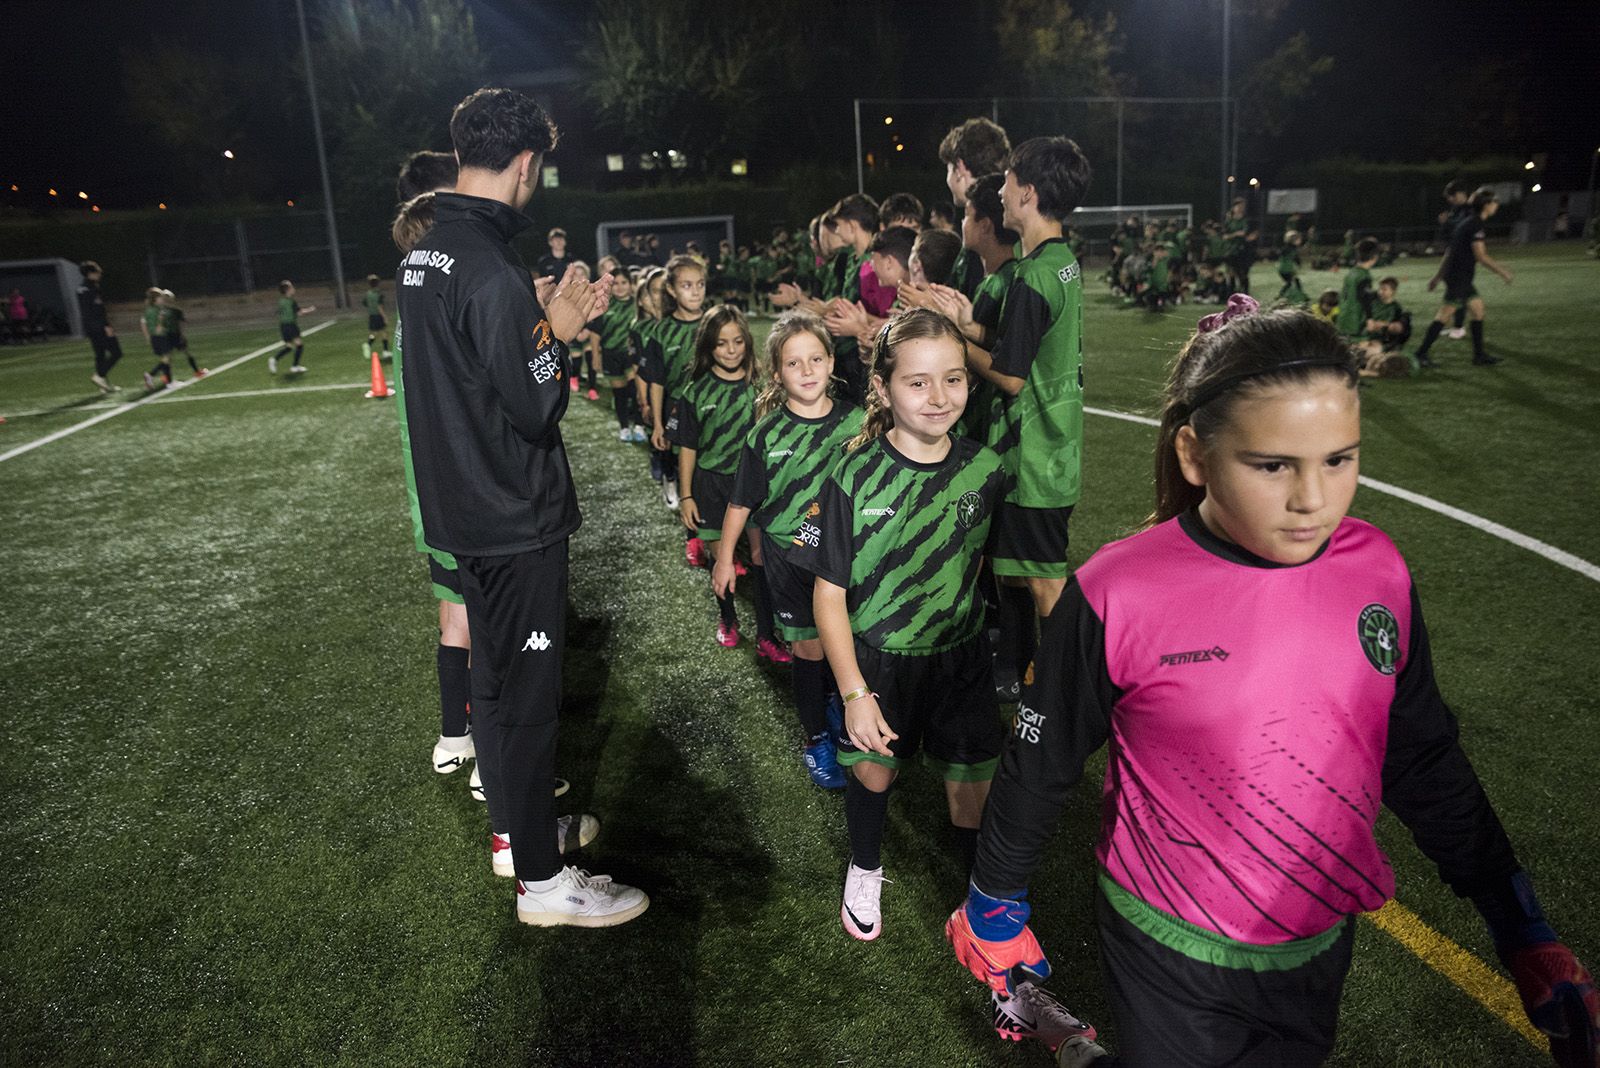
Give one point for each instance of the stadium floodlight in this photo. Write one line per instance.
(52, 192)
(13, 187)
(888, 120)
(82, 195)
(290, 203)
(227, 153)
(1537, 187)
(1528, 166)
(1254, 182)
(161, 205)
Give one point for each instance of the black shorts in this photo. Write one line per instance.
(791, 588)
(446, 581)
(1458, 291)
(942, 703)
(615, 363)
(377, 322)
(180, 343)
(289, 331)
(1172, 1009)
(1030, 542)
(161, 345)
(711, 492)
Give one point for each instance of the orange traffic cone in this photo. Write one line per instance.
(380, 388)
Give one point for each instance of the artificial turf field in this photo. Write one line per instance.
(223, 842)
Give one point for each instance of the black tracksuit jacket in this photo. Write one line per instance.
(485, 387)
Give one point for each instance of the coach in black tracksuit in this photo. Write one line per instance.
(485, 392)
(96, 326)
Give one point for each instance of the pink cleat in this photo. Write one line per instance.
(593, 394)
(727, 635)
(694, 550)
(774, 650)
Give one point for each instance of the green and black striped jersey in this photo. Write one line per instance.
(613, 325)
(904, 540)
(639, 333)
(783, 462)
(1040, 432)
(373, 299)
(669, 354)
(983, 396)
(172, 320)
(713, 416)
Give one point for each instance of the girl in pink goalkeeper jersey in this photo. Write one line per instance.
(1257, 663)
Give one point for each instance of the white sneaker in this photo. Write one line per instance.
(639, 434)
(1456, 333)
(624, 434)
(446, 759)
(298, 369)
(475, 784)
(862, 910)
(579, 899)
(100, 383)
(669, 492)
(572, 834)
(272, 365)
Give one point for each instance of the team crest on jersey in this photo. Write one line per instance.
(1380, 637)
(969, 510)
(815, 510)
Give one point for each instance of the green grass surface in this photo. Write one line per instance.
(223, 842)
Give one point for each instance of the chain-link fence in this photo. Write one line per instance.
(244, 254)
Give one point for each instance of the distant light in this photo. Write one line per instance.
(614, 162)
(82, 195)
(899, 148)
(739, 166)
(1231, 179)
(52, 192)
(672, 153)
(96, 207)
(1255, 182)
(552, 178)
(888, 120)
(227, 153)
(1537, 187)
(1528, 166)
(162, 205)
(13, 187)
(289, 202)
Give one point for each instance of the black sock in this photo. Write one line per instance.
(455, 690)
(1461, 316)
(725, 608)
(1017, 629)
(811, 698)
(865, 812)
(763, 602)
(619, 402)
(1435, 328)
(300, 350)
(385, 344)
(1476, 326)
(192, 365)
(281, 353)
(115, 348)
(156, 369)
(588, 373)
(966, 839)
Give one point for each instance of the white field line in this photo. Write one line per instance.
(280, 391)
(1477, 522)
(142, 401)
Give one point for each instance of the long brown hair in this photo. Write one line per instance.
(705, 341)
(913, 324)
(790, 325)
(678, 263)
(1214, 368)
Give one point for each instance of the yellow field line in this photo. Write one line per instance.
(1481, 982)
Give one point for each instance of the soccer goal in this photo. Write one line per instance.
(671, 236)
(50, 288)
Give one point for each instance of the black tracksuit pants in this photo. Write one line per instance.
(516, 612)
(107, 351)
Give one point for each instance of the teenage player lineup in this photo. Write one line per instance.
(892, 476)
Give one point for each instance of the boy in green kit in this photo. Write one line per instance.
(1355, 295)
(289, 312)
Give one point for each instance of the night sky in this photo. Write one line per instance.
(1399, 70)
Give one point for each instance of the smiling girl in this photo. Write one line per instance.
(895, 540)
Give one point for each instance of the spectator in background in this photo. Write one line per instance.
(17, 315)
(553, 264)
(97, 327)
(941, 216)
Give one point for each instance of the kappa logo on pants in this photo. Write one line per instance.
(537, 641)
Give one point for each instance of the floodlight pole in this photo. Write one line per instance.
(1119, 153)
(861, 175)
(1594, 161)
(340, 298)
(1227, 21)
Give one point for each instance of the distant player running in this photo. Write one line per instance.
(1456, 271)
(377, 325)
(289, 312)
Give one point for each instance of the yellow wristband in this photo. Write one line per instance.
(857, 694)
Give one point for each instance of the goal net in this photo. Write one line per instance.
(671, 236)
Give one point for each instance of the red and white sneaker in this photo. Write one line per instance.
(727, 635)
(572, 384)
(592, 394)
(572, 834)
(774, 650)
(862, 909)
(694, 550)
(1033, 1012)
(500, 855)
(202, 372)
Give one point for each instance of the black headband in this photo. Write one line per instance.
(1218, 388)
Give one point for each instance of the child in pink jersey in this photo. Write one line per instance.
(1258, 663)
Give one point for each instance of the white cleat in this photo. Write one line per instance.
(447, 759)
(862, 910)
